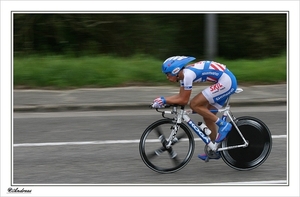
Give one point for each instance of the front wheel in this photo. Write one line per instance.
(257, 134)
(157, 155)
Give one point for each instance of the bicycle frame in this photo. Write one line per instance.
(182, 115)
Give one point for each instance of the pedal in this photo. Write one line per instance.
(210, 153)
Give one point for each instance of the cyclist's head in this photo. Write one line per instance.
(173, 65)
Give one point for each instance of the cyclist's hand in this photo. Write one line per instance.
(159, 102)
(156, 105)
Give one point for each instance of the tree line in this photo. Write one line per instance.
(239, 35)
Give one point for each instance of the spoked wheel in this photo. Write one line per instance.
(259, 138)
(157, 156)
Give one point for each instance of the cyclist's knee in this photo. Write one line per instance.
(193, 104)
(198, 101)
(197, 104)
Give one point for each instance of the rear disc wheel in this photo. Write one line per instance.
(257, 134)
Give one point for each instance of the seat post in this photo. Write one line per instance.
(227, 102)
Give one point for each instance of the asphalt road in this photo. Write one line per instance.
(101, 147)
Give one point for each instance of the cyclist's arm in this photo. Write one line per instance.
(180, 99)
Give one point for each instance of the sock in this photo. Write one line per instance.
(220, 122)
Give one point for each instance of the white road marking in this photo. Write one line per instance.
(278, 136)
(100, 142)
(77, 143)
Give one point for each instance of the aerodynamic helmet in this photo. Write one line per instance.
(174, 64)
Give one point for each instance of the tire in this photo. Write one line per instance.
(153, 149)
(259, 138)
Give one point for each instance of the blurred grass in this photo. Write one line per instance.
(264, 71)
(61, 72)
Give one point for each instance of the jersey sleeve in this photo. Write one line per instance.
(188, 79)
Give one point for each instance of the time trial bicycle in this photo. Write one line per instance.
(167, 145)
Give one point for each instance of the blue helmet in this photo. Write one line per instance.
(174, 64)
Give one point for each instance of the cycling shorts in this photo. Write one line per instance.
(218, 93)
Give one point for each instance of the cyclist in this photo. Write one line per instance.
(212, 97)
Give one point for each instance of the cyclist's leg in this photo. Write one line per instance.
(200, 104)
(218, 94)
(211, 124)
(214, 96)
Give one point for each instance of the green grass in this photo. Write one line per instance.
(265, 71)
(60, 72)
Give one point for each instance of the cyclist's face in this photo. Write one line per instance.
(171, 78)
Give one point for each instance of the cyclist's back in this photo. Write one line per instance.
(203, 71)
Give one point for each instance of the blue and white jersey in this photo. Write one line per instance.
(200, 72)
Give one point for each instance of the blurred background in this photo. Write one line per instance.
(57, 49)
(158, 35)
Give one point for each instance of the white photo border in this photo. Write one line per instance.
(8, 7)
